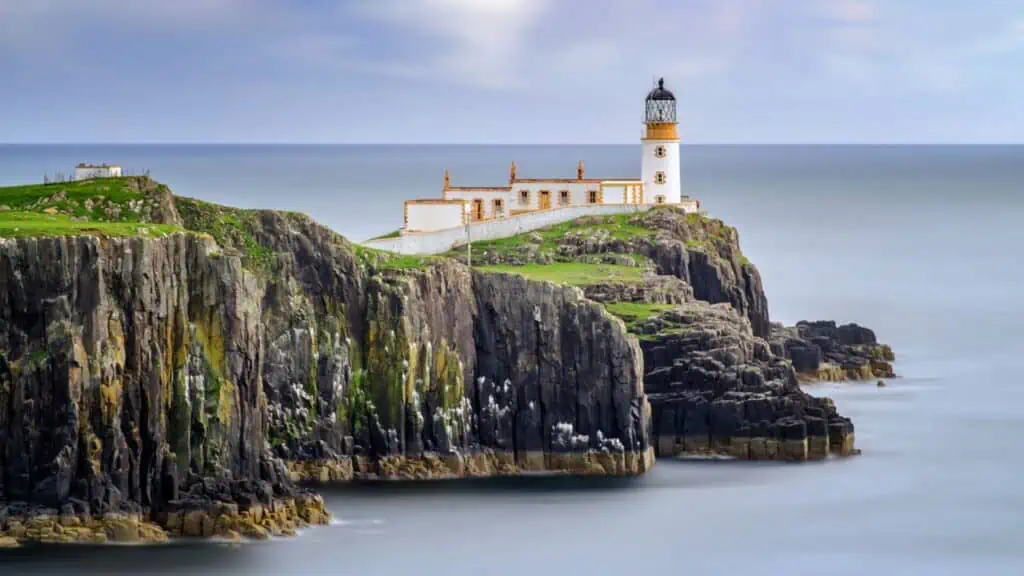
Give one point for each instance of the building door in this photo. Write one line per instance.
(478, 209)
(545, 199)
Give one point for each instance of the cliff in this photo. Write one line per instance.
(170, 367)
(178, 380)
(722, 379)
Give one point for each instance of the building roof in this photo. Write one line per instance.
(660, 93)
(436, 201)
(479, 188)
(557, 180)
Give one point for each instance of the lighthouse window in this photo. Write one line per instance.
(659, 178)
(563, 197)
(659, 199)
(524, 197)
(659, 152)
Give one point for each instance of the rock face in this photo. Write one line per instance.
(718, 390)
(470, 374)
(824, 351)
(720, 376)
(702, 252)
(129, 367)
(184, 382)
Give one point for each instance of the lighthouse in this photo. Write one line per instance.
(660, 165)
(432, 225)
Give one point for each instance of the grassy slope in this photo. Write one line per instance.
(15, 224)
(573, 273)
(107, 206)
(633, 312)
(617, 226)
(230, 227)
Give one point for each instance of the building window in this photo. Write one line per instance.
(593, 196)
(659, 178)
(499, 208)
(563, 197)
(524, 197)
(659, 199)
(659, 151)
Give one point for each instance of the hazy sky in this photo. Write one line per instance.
(520, 71)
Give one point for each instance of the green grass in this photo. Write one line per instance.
(230, 227)
(88, 198)
(633, 312)
(573, 273)
(384, 260)
(392, 234)
(15, 224)
(618, 226)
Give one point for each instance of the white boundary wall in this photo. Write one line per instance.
(435, 215)
(445, 240)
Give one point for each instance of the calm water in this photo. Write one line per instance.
(921, 244)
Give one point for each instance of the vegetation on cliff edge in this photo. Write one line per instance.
(572, 273)
(107, 206)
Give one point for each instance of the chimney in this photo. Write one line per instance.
(579, 171)
(512, 173)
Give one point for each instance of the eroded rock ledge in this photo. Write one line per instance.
(823, 351)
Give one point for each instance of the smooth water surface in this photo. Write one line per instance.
(922, 244)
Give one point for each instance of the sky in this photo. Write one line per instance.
(510, 71)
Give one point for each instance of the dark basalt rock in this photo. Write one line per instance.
(825, 351)
(716, 389)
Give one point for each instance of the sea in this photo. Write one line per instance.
(922, 244)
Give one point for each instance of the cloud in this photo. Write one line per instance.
(479, 43)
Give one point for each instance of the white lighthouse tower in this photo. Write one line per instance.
(660, 165)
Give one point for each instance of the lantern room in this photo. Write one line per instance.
(660, 113)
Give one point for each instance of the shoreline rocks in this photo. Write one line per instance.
(823, 351)
(717, 390)
(482, 463)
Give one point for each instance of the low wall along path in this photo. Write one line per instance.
(442, 241)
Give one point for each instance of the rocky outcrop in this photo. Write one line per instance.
(185, 381)
(706, 254)
(701, 251)
(718, 390)
(652, 290)
(824, 351)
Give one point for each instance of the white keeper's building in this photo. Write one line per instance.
(659, 183)
(90, 171)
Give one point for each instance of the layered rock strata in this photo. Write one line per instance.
(718, 390)
(823, 351)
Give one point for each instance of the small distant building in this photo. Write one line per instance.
(90, 171)
(659, 183)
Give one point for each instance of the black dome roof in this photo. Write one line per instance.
(660, 93)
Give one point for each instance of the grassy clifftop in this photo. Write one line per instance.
(109, 206)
